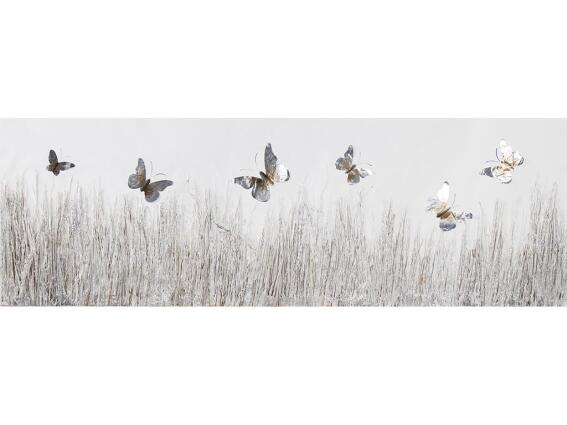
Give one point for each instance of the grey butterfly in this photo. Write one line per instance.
(508, 160)
(448, 218)
(275, 172)
(55, 166)
(139, 181)
(354, 172)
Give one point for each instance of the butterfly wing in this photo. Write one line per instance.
(342, 164)
(259, 186)
(506, 151)
(518, 159)
(62, 166)
(444, 192)
(503, 176)
(349, 154)
(510, 155)
(153, 189)
(137, 180)
(488, 171)
(439, 208)
(345, 163)
(52, 162)
(499, 172)
(462, 216)
(245, 181)
(364, 172)
(52, 157)
(447, 222)
(353, 176)
(261, 190)
(277, 172)
(151, 195)
(438, 204)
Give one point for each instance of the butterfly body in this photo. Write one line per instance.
(266, 178)
(444, 214)
(275, 173)
(55, 166)
(354, 172)
(139, 181)
(145, 186)
(350, 169)
(506, 166)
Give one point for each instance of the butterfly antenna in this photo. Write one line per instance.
(454, 200)
(256, 159)
(497, 157)
(62, 156)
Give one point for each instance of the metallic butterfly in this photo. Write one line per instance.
(275, 172)
(55, 166)
(139, 181)
(440, 206)
(509, 160)
(354, 172)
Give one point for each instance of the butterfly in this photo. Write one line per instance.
(275, 172)
(509, 159)
(440, 206)
(139, 181)
(55, 166)
(354, 173)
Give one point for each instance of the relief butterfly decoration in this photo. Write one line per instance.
(440, 206)
(55, 166)
(508, 160)
(139, 181)
(354, 172)
(275, 173)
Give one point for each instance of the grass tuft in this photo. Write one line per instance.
(76, 250)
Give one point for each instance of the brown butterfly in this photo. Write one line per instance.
(354, 172)
(139, 181)
(55, 166)
(276, 172)
(440, 206)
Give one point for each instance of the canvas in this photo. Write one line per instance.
(283, 212)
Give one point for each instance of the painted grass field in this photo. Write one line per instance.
(79, 250)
